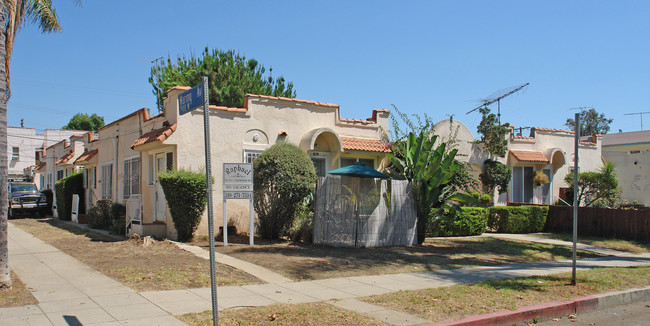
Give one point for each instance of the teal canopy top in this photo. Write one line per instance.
(360, 170)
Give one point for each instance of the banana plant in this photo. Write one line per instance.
(429, 169)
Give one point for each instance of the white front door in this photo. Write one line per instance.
(160, 204)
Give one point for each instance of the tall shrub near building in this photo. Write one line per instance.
(186, 194)
(65, 188)
(284, 176)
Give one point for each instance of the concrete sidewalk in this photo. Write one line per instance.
(70, 292)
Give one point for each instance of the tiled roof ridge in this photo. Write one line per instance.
(64, 159)
(364, 144)
(279, 98)
(87, 155)
(160, 134)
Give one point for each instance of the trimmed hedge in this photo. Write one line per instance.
(517, 219)
(65, 188)
(99, 216)
(469, 221)
(186, 194)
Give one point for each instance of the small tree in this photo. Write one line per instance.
(591, 123)
(83, 121)
(493, 135)
(495, 174)
(186, 194)
(596, 188)
(284, 176)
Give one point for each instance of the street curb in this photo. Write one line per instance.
(549, 310)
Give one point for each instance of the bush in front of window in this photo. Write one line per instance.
(517, 219)
(118, 218)
(284, 176)
(450, 222)
(185, 192)
(65, 188)
(99, 216)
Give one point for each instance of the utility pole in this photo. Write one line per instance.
(641, 115)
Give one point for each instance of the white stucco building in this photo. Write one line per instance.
(630, 151)
(550, 151)
(26, 148)
(122, 162)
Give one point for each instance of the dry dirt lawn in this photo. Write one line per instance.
(18, 295)
(307, 262)
(159, 266)
(284, 314)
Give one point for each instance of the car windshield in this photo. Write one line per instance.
(23, 187)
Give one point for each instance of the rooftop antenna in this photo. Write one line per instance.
(641, 115)
(497, 96)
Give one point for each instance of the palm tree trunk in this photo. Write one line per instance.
(5, 277)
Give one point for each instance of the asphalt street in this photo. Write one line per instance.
(634, 314)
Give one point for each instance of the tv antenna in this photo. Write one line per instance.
(497, 96)
(641, 115)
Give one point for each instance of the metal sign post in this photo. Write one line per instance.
(188, 101)
(238, 184)
(575, 197)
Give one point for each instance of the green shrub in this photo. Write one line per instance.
(99, 216)
(520, 219)
(186, 194)
(495, 174)
(65, 188)
(49, 197)
(119, 226)
(302, 228)
(284, 176)
(484, 200)
(452, 223)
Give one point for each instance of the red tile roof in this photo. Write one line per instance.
(40, 166)
(155, 135)
(86, 156)
(523, 137)
(365, 145)
(553, 130)
(529, 156)
(293, 100)
(64, 159)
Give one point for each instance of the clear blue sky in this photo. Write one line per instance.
(434, 57)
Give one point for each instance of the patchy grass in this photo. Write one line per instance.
(306, 262)
(459, 301)
(159, 266)
(18, 295)
(609, 243)
(283, 314)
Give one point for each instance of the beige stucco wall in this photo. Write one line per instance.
(632, 170)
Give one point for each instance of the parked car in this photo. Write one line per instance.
(25, 198)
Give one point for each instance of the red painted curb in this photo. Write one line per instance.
(543, 311)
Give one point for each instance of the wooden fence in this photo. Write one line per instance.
(601, 222)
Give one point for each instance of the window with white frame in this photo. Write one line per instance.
(92, 177)
(59, 174)
(131, 177)
(251, 155)
(152, 175)
(15, 153)
(107, 181)
(49, 181)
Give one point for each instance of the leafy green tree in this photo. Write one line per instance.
(591, 123)
(495, 174)
(284, 176)
(13, 14)
(493, 135)
(83, 121)
(230, 77)
(429, 169)
(596, 188)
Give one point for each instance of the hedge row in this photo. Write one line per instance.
(475, 220)
(65, 188)
(522, 219)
